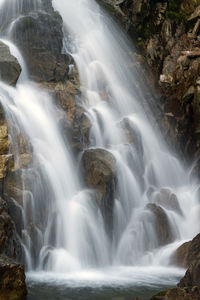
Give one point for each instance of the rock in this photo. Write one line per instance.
(168, 200)
(12, 280)
(162, 225)
(192, 275)
(6, 164)
(74, 122)
(187, 253)
(195, 14)
(99, 167)
(10, 68)
(4, 140)
(9, 243)
(177, 293)
(132, 134)
(39, 37)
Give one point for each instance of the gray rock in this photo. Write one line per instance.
(10, 68)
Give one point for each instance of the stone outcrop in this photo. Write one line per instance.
(162, 225)
(99, 167)
(10, 68)
(12, 280)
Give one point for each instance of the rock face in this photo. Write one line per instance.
(10, 69)
(192, 275)
(99, 167)
(9, 243)
(12, 280)
(162, 225)
(187, 253)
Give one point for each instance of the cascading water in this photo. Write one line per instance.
(68, 231)
(112, 97)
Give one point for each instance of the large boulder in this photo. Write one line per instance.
(39, 37)
(12, 280)
(187, 253)
(162, 225)
(99, 167)
(10, 68)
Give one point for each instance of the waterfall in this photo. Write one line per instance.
(68, 230)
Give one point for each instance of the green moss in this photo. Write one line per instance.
(176, 10)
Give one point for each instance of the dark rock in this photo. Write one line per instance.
(10, 69)
(12, 280)
(99, 167)
(163, 228)
(9, 243)
(192, 275)
(39, 37)
(187, 253)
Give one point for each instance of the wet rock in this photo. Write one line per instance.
(10, 68)
(12, 280)
(168, 200)
(9, 243)
(132, 134)
(99, 168)
(187, 253)
(162, 225)
(192, 275)
(177, 293)
(4, 140)
(39, 37)
(74, 123)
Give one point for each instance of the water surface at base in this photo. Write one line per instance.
(120, 283)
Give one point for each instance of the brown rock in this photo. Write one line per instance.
(9, 243)
(187, 253)
(99, 167)
(192, 275)
(162, 225)
(10, 69)
(12, 280)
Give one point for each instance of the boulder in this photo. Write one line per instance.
(99, 168)
(39, 37)
(162, 225)
(12, 280)
(187, 253)
(10, 68)
(168, 200)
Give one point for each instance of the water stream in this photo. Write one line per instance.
(69, 245)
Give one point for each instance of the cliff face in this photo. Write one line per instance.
(168, 36)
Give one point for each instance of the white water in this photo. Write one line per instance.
(69, 232)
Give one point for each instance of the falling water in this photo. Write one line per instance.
(68, 231)
(111, 94)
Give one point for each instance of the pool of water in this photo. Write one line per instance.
(121, 283)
